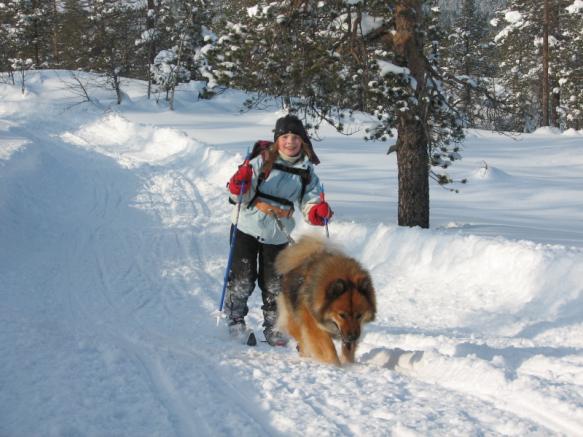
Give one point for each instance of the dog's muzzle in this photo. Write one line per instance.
(350, 338)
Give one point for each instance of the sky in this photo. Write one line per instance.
(113, 245)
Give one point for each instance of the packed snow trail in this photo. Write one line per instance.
(113, 241)
(105, 287)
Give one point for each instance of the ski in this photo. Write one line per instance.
(251, 339)
(246, 337)
(279, 343)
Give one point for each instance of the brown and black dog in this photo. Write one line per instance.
(325, 295)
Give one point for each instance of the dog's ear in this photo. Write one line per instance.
(336, 288)
(364, 286)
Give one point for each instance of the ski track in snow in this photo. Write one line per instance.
(110, 300)
(117, 285)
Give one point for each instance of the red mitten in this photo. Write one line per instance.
(318, 213)
(241, 179)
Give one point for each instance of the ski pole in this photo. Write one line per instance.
(323, 199)
(232, 241)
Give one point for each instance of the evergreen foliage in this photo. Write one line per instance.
(520, 39)
(328, 59)
(277, 49)
(323, 58)
(570, 66)
(452, 9)
(467, 56)
(108, 43)
(73, 29)
(182, 22)
(24, 26)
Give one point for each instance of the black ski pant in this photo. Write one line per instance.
(252, 261)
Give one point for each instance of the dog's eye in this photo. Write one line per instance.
(343, 316)
(358, 316)
(337, 288)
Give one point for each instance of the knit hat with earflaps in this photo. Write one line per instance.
(292, 124)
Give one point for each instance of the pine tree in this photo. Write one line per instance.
(182, 22)
(536, 52)
(149, 38)
(518, 27)
(35, 21)
(110, 41)
(281, 50)
(466, 57)
(327, 59)
(8, 41)
(73, 28)
(451, 9)
(20, 34)
(570, 65)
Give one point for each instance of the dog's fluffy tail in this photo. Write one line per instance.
(293, 256)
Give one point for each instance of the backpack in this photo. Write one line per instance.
(261, 147)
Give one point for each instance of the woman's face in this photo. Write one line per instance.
(289, 144)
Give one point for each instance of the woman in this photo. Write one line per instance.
(271, 185)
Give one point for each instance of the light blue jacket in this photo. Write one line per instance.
(280, 184)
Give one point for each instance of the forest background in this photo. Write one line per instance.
(498, 44)
(423, 70)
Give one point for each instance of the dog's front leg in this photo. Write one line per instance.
(315, 342)
(348, 352)
(321, 347)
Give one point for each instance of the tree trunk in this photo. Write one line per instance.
(116, 81)
(150, 25)
(36, 38)
(412, 160)
(412, 155)
(554, 80)
(555, 103)
(22, 77)
(468, 71)
(179, 55)
(545, 84)
(55, 33)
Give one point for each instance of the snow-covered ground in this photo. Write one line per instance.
(113, 244)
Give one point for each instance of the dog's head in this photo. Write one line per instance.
(351, 303)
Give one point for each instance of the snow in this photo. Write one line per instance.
(165, 57)
(368, 23)
(390, 68)
(113, 243)
(575, 7)
(513, 17)
(387, 68)
(130, 144)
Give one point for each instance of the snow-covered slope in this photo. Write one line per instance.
(113, 243)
